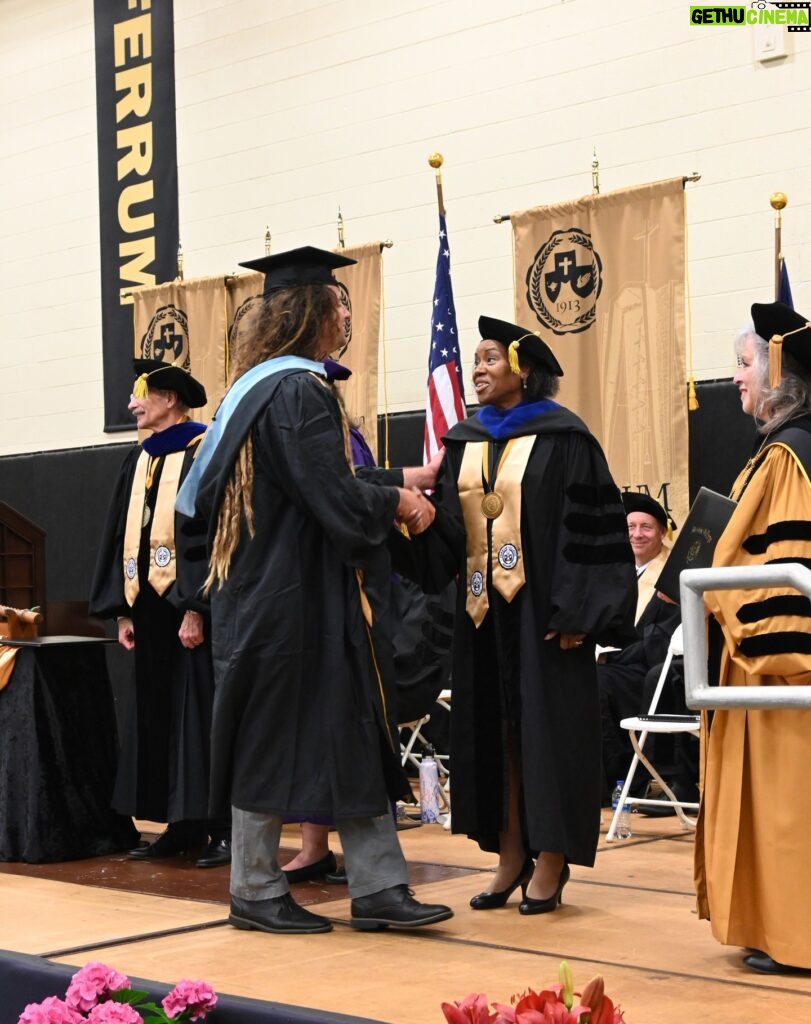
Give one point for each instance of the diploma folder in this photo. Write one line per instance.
(695, 545)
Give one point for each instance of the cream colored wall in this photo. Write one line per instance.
(287, 110)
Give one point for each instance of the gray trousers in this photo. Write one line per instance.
(374, 860)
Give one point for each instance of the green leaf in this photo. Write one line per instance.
(127, 995)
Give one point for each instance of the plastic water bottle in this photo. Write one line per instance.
(623, 829)
(429, 786)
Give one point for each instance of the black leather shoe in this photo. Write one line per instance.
(217, 852)
(528, 905)
(311, 871)
(493, 900)
(763, 963)
(664, 808)
(279, 914)
(337, 877)
(170, 843)
(397, 907)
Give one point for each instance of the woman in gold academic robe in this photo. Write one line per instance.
(753, 847)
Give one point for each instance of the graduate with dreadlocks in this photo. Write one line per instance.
(298, 585)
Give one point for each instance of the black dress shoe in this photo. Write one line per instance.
(170, 843)
(397, 907)
(493, 900)
(280, 914)
(529, 905)
(763, 963)
(311, 871)
(217, 852)
(664, 808)
(336, 877)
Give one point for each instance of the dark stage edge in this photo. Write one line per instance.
(28, 979)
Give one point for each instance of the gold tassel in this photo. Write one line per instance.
(692, 397)
(140, 389)
(775, 360)
(670, 525)
(512, 356)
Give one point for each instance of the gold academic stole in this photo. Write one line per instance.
(500, 546)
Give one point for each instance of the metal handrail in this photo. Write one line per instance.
(692, 585)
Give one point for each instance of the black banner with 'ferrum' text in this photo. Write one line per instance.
(138, 207)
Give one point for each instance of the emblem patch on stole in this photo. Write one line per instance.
(476, 583)
(130, 568)
(508, 556)
(163, 556)
(167, 337)
(564, 281)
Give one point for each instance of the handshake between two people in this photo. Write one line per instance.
(414, 510)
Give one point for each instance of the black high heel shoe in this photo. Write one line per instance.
(528, 905)
(493, 900)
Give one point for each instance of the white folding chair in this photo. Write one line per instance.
(410, 752)
(639, 728)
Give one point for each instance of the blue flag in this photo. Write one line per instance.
(784, 290)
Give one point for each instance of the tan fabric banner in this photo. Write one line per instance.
(361, 286)
(601, 279)
(184, 322)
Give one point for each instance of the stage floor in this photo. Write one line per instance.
(632, 919)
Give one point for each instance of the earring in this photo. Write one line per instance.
(524, 383)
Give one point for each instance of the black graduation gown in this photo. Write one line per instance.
(303, 715)
(164, 760)
(507, 680)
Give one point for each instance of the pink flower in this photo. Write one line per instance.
(195, 996)
(49, 1011)
(93, 983)
(472, 1010)
(114, 1013)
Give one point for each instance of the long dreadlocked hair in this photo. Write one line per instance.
(289, 322)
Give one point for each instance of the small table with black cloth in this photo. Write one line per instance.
(58, 755)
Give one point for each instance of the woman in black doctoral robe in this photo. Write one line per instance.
(531, 520)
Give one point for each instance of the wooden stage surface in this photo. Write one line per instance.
(632, 918)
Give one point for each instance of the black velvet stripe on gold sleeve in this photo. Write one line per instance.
(781, 604)
(597, 554)
(595, 525)
(776, 643)
(597, 495)
(790, 559)
(787, 529)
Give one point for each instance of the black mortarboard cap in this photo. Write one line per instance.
(784, 329)
(152, 373)
(297, 267)
(528, 345)
(636, 502)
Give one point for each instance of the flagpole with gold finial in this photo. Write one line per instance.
(778, 202)
(436, 160)
(267, 240)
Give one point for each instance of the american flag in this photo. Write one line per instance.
(446, 389)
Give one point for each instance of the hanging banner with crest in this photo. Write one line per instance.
(601, 280)
(199, 323)
(183, 322)
(361, 291)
